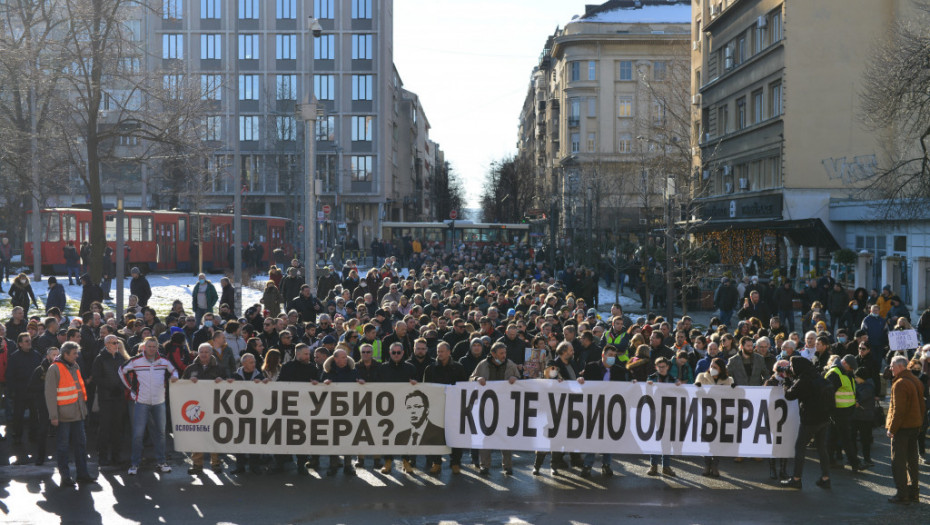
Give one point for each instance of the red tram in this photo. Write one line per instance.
(158, 240)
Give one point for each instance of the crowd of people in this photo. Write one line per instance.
(489, 313)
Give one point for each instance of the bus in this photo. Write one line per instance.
(468, 232)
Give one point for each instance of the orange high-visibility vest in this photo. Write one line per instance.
(67, 390)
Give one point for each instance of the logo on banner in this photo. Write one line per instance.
(192, 412)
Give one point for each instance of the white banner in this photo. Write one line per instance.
(622, 418)
(903, 340)
(301, 418)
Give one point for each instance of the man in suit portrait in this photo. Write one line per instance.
(421, 431)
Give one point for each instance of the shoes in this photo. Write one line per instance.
(86, 479)
(67, 482)
(386, 469)
(348, 469)
(456, 469)
(535, 470)
(585, 472)
(217, 468)
(435, 469)
(164, 468)
(313, 462)
(133, 470)
(360, 463)
(783, 474)
(714, 472)
(484, 472)
(858, 467)
(791, 483)
(707, 472)
(407, 466)
(195, 471)
(868, 463)
(554, 472)
(900, 500)
(773, 472)
(824, 483)
(577, 463)
(667, 471)
(508, 472)
(654, 471)
(606, 471)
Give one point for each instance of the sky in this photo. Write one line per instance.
(470, 62)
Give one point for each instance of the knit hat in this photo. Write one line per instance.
(863, 373)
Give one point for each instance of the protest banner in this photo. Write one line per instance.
(622, 418)
(301, 418)
(903, 340)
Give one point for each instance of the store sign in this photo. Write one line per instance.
(759, 207)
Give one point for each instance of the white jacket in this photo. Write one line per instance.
(148, 384)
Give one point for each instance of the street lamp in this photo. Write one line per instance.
(645, 219)
(308, 111)
(120, 256)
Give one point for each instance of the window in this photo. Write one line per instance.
(69, 228)
(759, 38)
(576, 142)
(248, 47)
(900, 243)
(134, 29)
(172, 45)
(361, 47)
(128, 140)
(625, 144)
(361, 8)
(658, 112)
(286, 87)
(248, 87)
(211, 87)
(248, 10)
(723, 119)
(213, 127)
(324, 47)
(286, 47)
(326, 128)
(130, 66)
(362, 128)
(625, 106)
(362, 87)
(285, 9)
(574, 115)
(172, 9)
(757, 115)
(776, 27)
(741, 53)
(741, 113)
(659, 70)
(626, 70)
(173, 85)
(211, 8)
(248, 127)
(575, 73)
(182, 229)
(592, 142)
(775, 99)
(592, 107)
(211, 46)
(323, 9)
(592, 70)
(324, 87)
(362, 167)
(285, 128)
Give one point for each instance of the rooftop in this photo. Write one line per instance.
(638, 12)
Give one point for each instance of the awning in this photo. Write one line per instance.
(805, 232)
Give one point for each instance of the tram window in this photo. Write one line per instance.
(69, 227)
(182, 229)
(52, 227)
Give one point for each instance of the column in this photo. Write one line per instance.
(812, 258)
(888, 270)
(802, 264)
(862, 269)
(919, 285)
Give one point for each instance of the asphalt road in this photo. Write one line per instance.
(744, 494)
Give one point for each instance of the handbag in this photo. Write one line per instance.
(878, 419)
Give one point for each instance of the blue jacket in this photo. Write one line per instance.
(703, 364)
(56, 298)
(878, 332)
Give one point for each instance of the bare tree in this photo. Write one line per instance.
(509, 190)
(447, 192)
(896, 105)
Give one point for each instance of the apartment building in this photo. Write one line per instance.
(590, 124)
(256, 61)
(777, 84)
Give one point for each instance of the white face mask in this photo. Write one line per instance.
(714, 372)
(553, 373)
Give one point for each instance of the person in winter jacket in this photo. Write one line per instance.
(863, 417)
(811, 391)
(56, 296)
(339, 368)
(204, 368)
(66, 400)
(20, 366)
(21, 293)
(90, 293)
(248, 372)
(726, 298)
(203, 297)
(272, 299)
(111, 398)
(495, 368)
(37, 406)
(140, 287)
(778, 379)
(662, 375)
(716, 375)
(837, 303)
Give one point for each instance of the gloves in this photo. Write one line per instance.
(732, 385)
(697, 385)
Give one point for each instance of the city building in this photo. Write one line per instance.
(363, 174)
(591, 124)
(778, 85)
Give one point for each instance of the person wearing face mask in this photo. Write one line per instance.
(203, 296)
(716, 375)
(843, 345)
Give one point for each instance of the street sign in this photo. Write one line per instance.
(327, 209)
(320, 216)
(300, 228)
(454, 214)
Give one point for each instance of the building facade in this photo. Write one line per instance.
(255, 62)
(777, 84)
(591, 124)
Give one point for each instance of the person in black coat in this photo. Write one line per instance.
(228, 295)
(396, 370)
(608, 368)
(90, 293)
(301, 370)
(140, 287)
(445, 371)
(107, 272)
(808, 388)
(754, 306)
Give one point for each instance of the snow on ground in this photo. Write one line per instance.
(165, 289)
(607, 295)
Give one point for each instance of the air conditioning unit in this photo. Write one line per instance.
(706, 174)
(727, 170)
(728, 52)
(696, 100)
(744, 184)
(728, 188)
(707, 137)
(695, 45)
(728, 63)
(763, 21)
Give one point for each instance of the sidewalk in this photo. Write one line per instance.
(630, 302)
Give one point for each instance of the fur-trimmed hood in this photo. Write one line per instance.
(328, 364)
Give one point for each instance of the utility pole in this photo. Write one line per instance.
(308, 110)
(120, 254)
(236, 176)
(669, 273)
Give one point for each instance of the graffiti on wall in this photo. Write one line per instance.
(850, 170)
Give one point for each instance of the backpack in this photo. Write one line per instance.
(826, 395)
